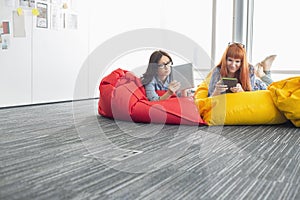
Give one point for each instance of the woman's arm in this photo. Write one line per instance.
(153, 96)
(215, 78)
(173, 87)
(219, 88)
(186, 93)
(166, 95)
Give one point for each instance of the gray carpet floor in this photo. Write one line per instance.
(66, 151)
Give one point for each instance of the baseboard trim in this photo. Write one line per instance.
(46, 103)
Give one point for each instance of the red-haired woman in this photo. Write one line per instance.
(234, 64)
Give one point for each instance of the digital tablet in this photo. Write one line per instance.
(230, 82)
(184, 74)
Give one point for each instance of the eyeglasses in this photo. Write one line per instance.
(167, 65)
(236, 43)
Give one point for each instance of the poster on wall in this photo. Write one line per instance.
(5, 28)
(27, 3)
(24, 3)
(42, 18)
(31, 3)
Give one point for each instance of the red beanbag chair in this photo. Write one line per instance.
(122, 96)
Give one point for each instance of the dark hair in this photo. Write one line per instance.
(153, 66)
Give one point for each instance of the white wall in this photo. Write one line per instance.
(43, 66)
(15, 65)
(111, 18)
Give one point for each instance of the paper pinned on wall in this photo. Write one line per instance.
(71, 21)
(18, 25)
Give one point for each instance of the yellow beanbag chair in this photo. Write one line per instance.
(245, 108)
(286, 96)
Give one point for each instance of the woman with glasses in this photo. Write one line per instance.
(157, 77)
(234, 64)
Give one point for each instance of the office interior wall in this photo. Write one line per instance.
(57, 58)
(15, 64)
(109, 19)
(43, 66)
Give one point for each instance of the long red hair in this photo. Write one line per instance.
(237, 51)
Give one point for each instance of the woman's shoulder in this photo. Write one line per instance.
(152, 81)
(215, 75)
(251, 66)
(216, 71)
(251, 69)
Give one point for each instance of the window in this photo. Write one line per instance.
(275, 32)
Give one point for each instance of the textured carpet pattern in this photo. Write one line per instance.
(49, 152)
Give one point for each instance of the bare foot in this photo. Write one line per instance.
(259, 70)
(267, 62)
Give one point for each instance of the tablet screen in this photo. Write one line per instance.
(230, 82)
(184, 74)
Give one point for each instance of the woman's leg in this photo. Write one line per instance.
(267, 78)
(263, 69)
(267, 62)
